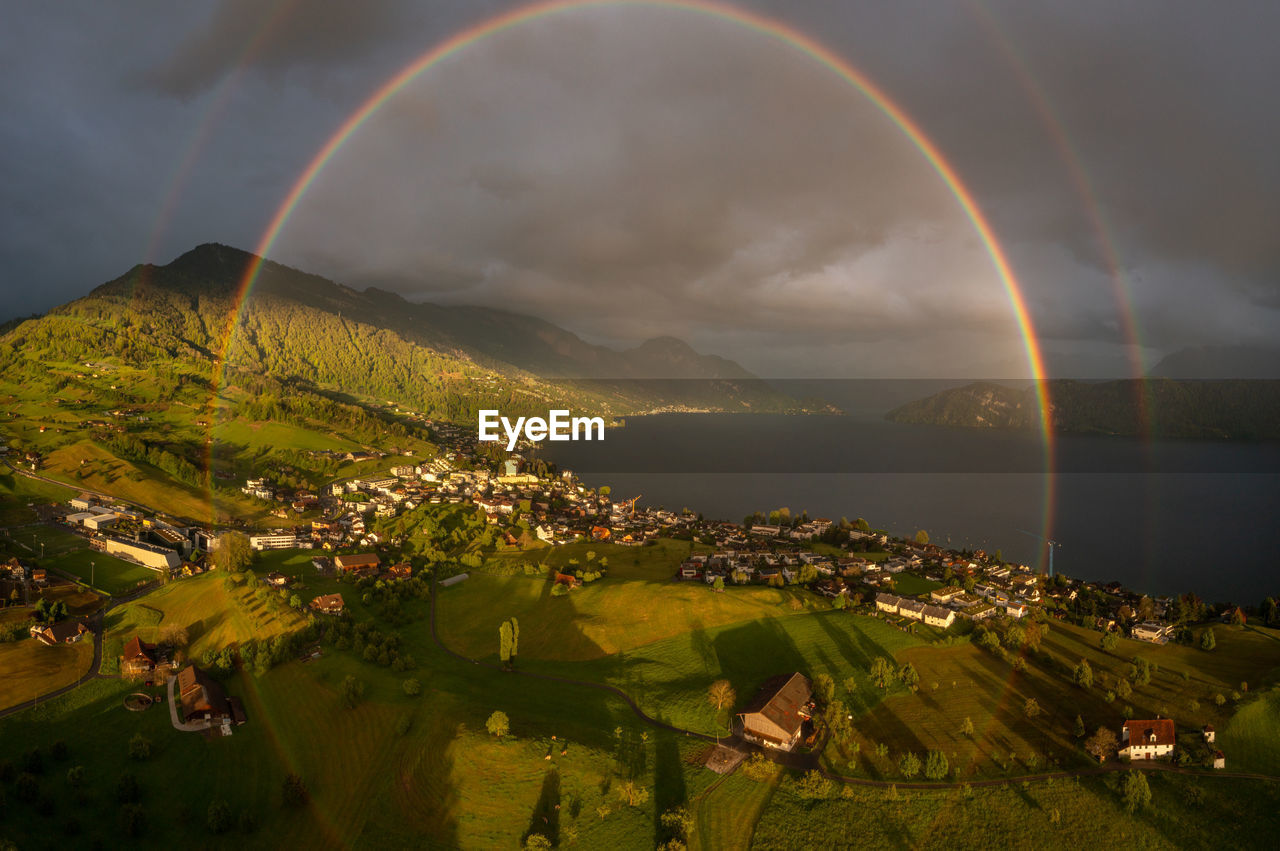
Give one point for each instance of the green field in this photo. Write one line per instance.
(213, 615)
(1251, 739)
(16, 491)
(911, 585)
(637, 603)
(110, 575)
(973, 683)
(29, 669)
(1048, 814)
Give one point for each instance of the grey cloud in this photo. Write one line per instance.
(630, 172)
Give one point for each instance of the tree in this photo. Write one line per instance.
(1031, 708)
(1110, 641)
(411, 687)
(1102, 743)
(139, 747)
(1207, 639)
(537, 842)
(1136, 792)
(127, 790)
(233, 553)
(718, 585)
(218, 817)
(881, 672)
(498, 724)
(633, 794)
(824, 687)
(293, 792)
(922, 537)
(909, 765)
(758, 768)
(909, 676)
(75, 776)
(862, 525)
(721, 694)
(1140, 670)
(504, 642)
(966, 729)
(352, 691)
(515, 638)
(1123, 689)
(1079, 730)
(132, 819)
(936, 766)
(1082, 675)
(814, 786)
(295, 602)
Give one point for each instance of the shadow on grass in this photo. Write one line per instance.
(546, 812)
(669, 790)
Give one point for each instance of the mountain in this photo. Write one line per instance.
(445, 362)
(1220, 362)
(1219, 409)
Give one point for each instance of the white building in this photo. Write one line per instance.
(147, 555)
(274, 541)
(1147, 739)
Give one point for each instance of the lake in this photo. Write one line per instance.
(1163, 517)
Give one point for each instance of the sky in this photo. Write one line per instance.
(629, 171)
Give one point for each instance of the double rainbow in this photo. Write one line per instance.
(752, 21)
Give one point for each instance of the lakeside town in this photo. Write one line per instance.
(911, 584)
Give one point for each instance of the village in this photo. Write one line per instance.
(913, 585)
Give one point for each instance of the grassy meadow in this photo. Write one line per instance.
(1185, 812)
(637, 603)
(213, 615)
(29, 668)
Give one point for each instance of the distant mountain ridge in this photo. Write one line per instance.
(1220, 362)
(1204, 409)
(297, 326)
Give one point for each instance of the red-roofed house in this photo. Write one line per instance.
(138, 657)
(1147, 739)
(775, 718)
(329, 604)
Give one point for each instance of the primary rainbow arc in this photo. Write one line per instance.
(753, 21)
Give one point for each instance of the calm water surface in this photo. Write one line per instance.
(1161, 517)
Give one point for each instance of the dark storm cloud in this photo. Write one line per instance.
(630, 172)
(275, 36)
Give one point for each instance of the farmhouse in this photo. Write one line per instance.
(138, 657)
(357, 563)
(329, 604)
(63, 632)
(775, 718)
(277, 580)
(1209, 735)
(1147, 739)
(402, 570)
(202, 698)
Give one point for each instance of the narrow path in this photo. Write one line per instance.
(811, 762)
